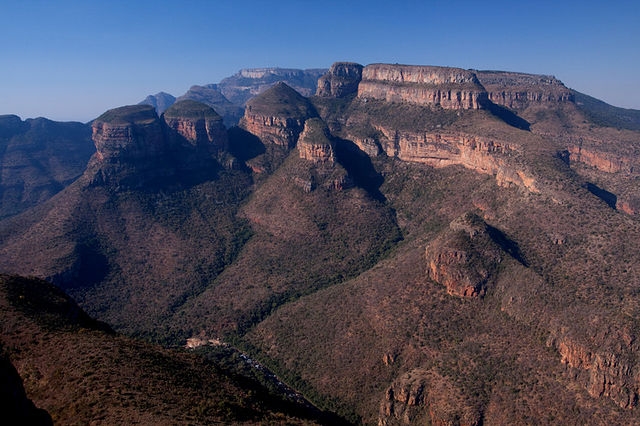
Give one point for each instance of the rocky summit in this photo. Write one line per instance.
(398, 244)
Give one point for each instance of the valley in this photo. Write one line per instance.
(399, 244)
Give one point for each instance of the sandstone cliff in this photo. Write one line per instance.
(342, 79)
(441, 148)
(315, 142)
(448, 88)
(277, 115)
(519, 90)
(199, 124)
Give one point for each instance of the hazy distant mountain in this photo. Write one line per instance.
(38, 158)
(211, 95)
(160, 101)
(247, 83)
(407, 245)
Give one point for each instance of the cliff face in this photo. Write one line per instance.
(518, 90)
(277, 115)
(604, 373)
(342, 79)
(315, 144)
(441, 149)
(448, 88)
(199, 124)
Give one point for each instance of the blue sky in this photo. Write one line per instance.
(72, 60)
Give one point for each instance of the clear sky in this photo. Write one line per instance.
(73, 60)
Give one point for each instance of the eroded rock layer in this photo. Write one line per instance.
(448, 88)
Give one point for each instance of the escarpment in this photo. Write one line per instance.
(448, 88)
(519, 90)
(277, 115)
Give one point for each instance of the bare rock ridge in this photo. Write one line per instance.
(277, 115)
(342, 79)
(449, 88)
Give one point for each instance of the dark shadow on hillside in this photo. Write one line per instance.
(359, 166)
(608, 197)
(244, 145)
(507, 116)
(506, 244)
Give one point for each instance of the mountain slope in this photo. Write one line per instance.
(38, 158)
(81, 372)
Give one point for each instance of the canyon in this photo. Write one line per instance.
(401, 244)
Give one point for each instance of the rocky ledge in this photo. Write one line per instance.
(448, 88)
(315, 142)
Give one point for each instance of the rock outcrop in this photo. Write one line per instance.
(342, 80)
(199, 124)
(604, 373)
(464, 258)
(448, 88)
(426, 397)
(315, 142)
(277, 115)
(518, 90)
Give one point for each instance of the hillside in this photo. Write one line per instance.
(38, 158)
(411, 244)
(80, 371)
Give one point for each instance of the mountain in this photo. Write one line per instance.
(80, 371)
(410, 244)
(38, 158)
(247, 83)
(160, 101)
(212, 96)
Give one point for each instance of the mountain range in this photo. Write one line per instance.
(400, 244)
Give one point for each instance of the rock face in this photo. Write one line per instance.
(131, 132)
(604, 373)
(442, 149)
(342, 79)
(315, 144)
(464, 259)
(277, 115)
(160, 101)
(448, 88)
(199, 124)
(518, 90)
